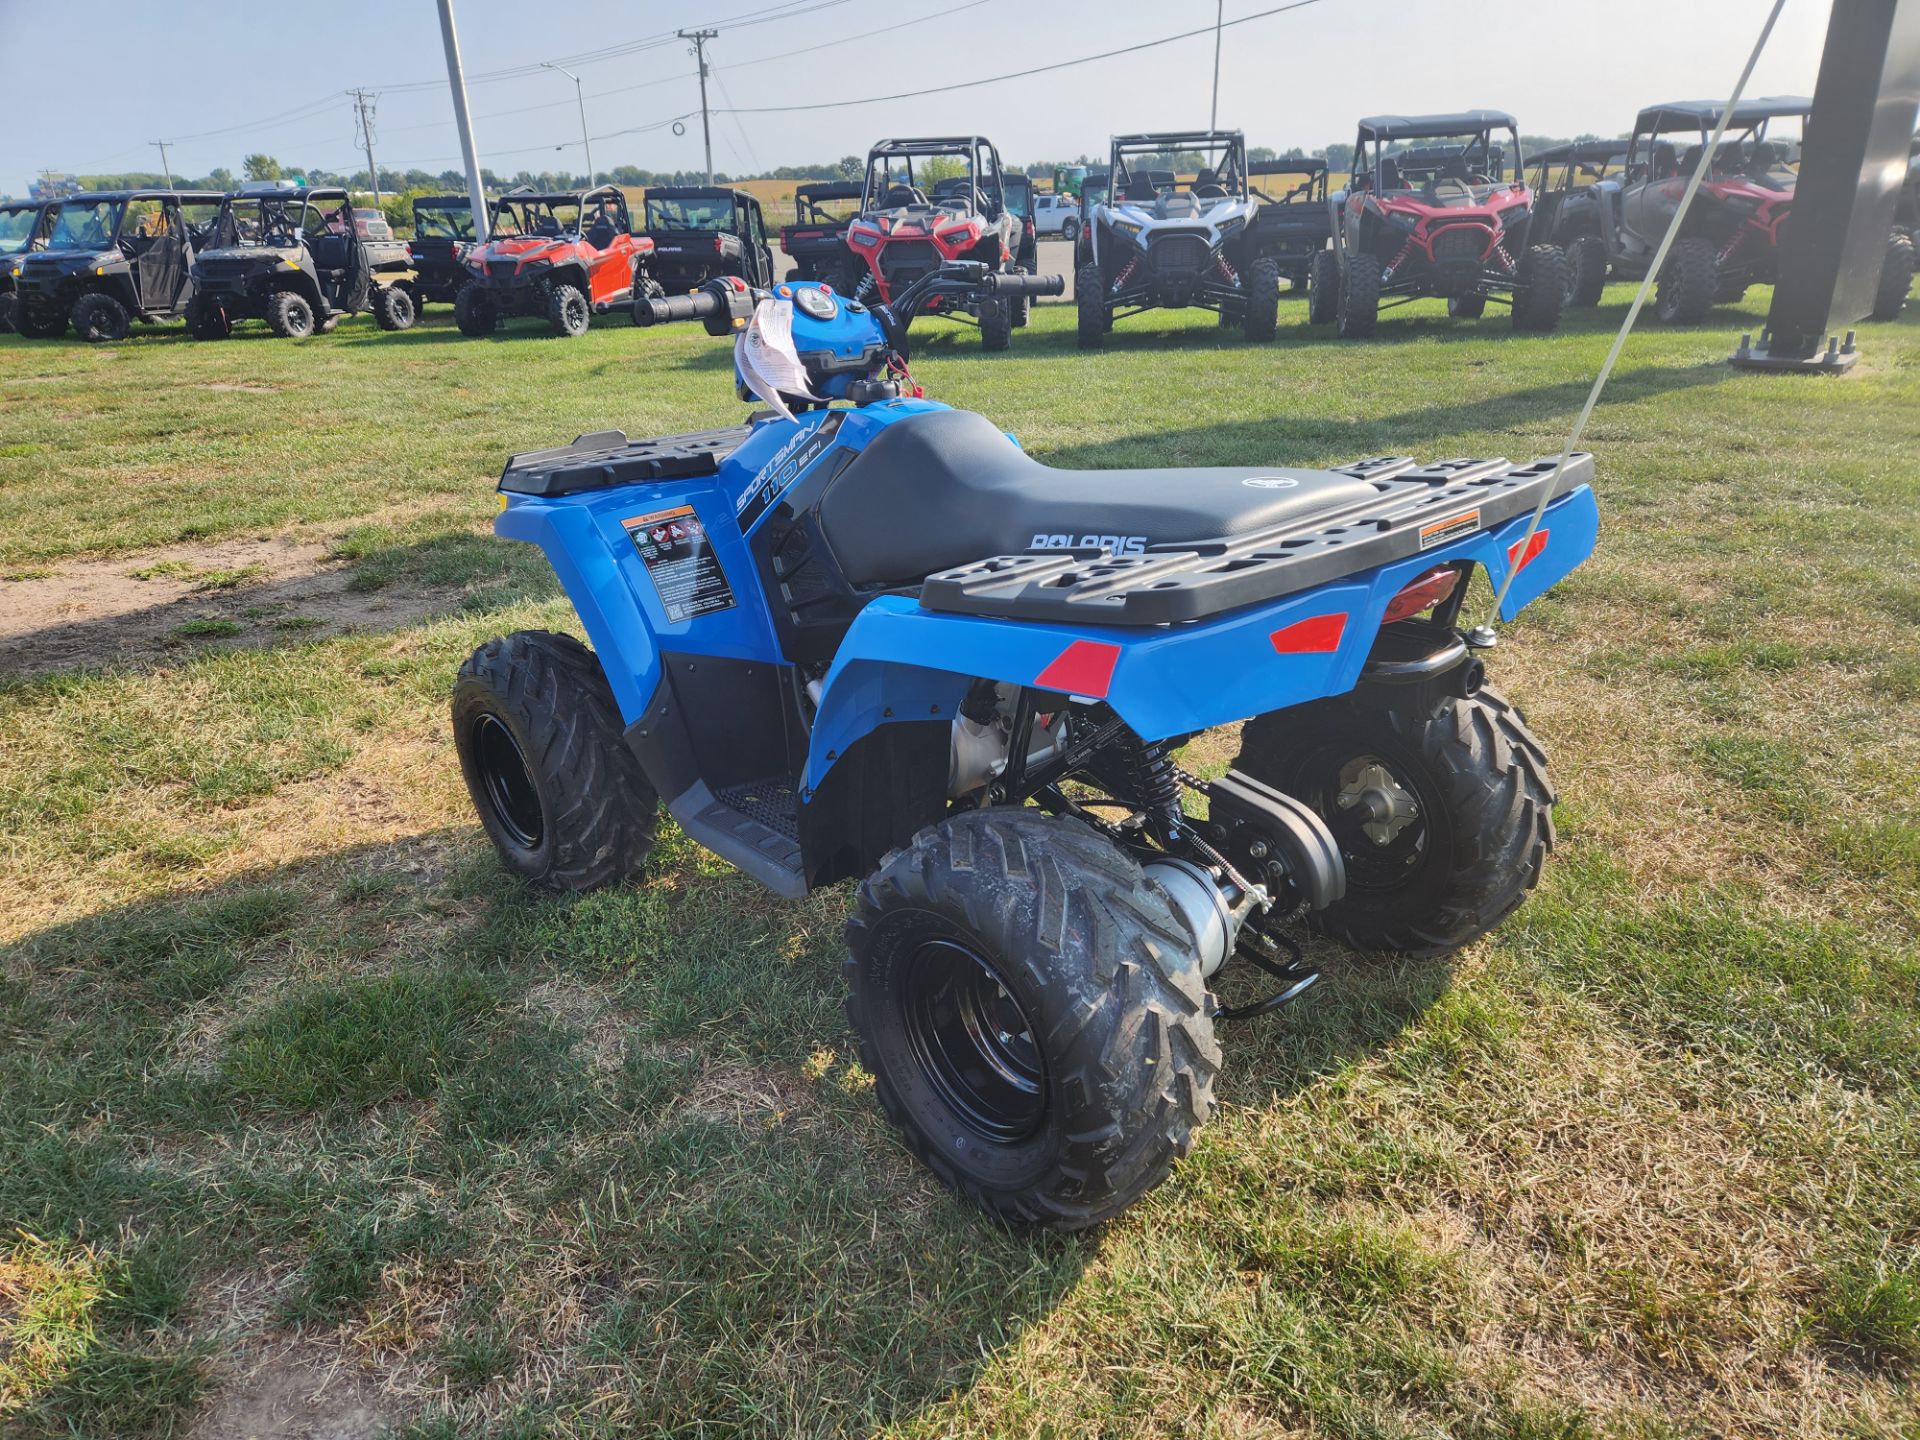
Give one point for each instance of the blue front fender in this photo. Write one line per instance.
(900, 662)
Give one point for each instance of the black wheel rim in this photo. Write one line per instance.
(973, 1043)
(1380, 812)
(507, 783)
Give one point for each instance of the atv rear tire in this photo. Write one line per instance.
(9, 303)
(207, 322)
(1466, 307)
(1033, 1015)
(1586, 272)
(289, 316)
(392, 308)
(1090, 297)
(37, 323)
(98, 317)
(474, 311)
(1323, 287)
(1689, 281)
(568, 314)
(1359, 311)
(1469, 811)
(1896, 278)
(1263, 301)
(1540, 297)
(561, 794)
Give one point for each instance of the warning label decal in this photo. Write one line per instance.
(1454, 527)
(686, 574)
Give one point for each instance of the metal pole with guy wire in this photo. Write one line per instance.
(457, 82)
(586, 141)
(699, 39)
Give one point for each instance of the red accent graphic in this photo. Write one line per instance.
(1084, 668)
(1317, 635)
(1520, 561)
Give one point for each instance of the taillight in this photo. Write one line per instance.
(1422, 594)
(718, 247)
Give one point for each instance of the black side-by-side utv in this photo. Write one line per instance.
(1292, 223)
(443, 234)
(23, 229)
(1566, 209)
(817, 240)
(112, 257)
(292, 257)
(701, 231)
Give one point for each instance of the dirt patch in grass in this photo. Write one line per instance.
(300, 1390)
(740, 1094)
(128, 609)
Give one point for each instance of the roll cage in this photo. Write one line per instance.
(25, 223)
(1745, 152)
(1311, 186)
(811, 202)
(714, 210)
(285, 218)
(896, 170)
(595, 215)
(1133, 179)
(1386, 161)
(447, 217)
(1568, 167)
(97, 220)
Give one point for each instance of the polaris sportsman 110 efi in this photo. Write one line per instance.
(865, 637)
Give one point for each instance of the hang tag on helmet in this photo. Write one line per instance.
(769, 365)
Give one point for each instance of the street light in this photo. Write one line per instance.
(588, 144)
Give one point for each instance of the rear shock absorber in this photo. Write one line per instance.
(1143, 774)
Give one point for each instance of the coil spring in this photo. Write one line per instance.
(1146, 776)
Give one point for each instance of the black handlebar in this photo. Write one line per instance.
(1003, 284)
(697, 306)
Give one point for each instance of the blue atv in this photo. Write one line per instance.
(866, 637)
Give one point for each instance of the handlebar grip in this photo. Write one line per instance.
(1027, 284)
(697, 306)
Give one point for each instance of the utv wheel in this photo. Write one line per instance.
(561, 795)
(1466, 307)
(1323, 288)
(1540, 299)
(996, 325)
(1586, 272)
(1090, 297)
(1896, 278)
(289, 316)
(207, 322)
(1443, 814)
(9, 303)
(568, 314)
(1688, 282)
(40, 322)
(1263, 301)
(1359, 311)
(100, 317)
(1033, 1015)
(474, 311)
(392, 308)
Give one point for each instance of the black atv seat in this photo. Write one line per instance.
(946, 488)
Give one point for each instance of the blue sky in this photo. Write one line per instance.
(274, 81)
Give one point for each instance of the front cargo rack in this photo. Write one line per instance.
(607, 458)
(1416, 508)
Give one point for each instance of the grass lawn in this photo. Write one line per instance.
(308, 1115)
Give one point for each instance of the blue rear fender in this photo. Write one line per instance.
(900, 662)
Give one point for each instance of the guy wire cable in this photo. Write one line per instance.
(1712, 148)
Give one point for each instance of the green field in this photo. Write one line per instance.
(307, 1111)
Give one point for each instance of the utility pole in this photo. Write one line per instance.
(163, 161)
(1219, 14)
(699, 39)
(585, 140)
(457, 82)
(363, 108)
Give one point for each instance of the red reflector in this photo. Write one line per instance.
(1317, 635)
(1428, 590)
(1520, 561)
(1084, 668)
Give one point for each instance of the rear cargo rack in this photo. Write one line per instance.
(607, 458)
(1417, 508)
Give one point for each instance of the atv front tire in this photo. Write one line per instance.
(1323, 287)
(9, 305)
(38, 323)
(1359, 311)
(1262, 315)
(98, 317)
(1090, 298)
(1896, 278)
(474, 312)
(1033, 1015)
(560, 793)
(1540, 298)
(568, 314)
(1586, 272)
(1443, 812)
(393, 308)
(207, 322)
(1689, 281)
(289, 316)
